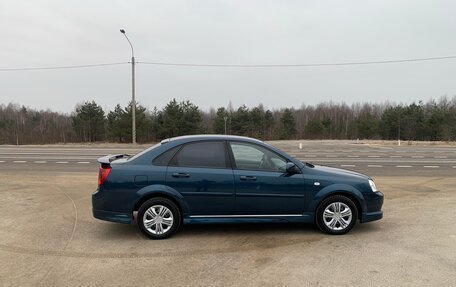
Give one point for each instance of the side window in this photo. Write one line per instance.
(201, 154)
(165, 157)
(253, 157)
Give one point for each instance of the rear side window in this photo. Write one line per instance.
(165, 157)
(201, 154)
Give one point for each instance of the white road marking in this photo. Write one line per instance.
(347, 165)
(454, 166)
(374, 165)
(440, 156)
(403, 166)
(20, 161)
(417, 156)
(395, 156)
(373, 156)
(353, 156)
(61, 162)
(431, 166)
(2, 161)
(83, 162)
(40, 161)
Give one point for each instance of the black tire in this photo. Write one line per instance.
(341, 225)
(153, 231)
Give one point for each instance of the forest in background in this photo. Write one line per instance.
(434, 120)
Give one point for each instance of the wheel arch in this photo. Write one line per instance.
(340, 189)
(150, 192)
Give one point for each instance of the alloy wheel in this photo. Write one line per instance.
(158, 219)
(337, 216)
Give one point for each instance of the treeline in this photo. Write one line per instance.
(20, 125)
(434, 120)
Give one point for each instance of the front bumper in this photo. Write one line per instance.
(371, 216)
(374, 207)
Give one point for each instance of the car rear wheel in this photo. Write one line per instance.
(336, 215)
(159, 218)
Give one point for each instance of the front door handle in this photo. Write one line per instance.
(180, 174)
(248, 177)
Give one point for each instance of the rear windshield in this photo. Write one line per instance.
(144, 151)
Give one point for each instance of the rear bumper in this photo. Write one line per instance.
(100, 204)
(112, 216)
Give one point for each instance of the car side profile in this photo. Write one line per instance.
(228, 179)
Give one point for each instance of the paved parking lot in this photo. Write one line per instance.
(49, 238)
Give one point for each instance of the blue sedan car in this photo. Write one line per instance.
(228, 179)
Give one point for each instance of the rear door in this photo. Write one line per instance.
(202, 173)
(263, 186)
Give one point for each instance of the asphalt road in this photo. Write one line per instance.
(48, 236)
(373, 159)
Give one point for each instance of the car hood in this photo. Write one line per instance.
(338, 172)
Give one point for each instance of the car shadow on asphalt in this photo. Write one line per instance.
(131, 231)
(111, 230)
(247, 229)
(367, 228)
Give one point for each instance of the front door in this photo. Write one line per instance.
(263, 187)
(201, 172)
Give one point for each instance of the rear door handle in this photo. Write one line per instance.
(248, 177)
(180, 174)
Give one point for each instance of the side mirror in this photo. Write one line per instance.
(291, 168)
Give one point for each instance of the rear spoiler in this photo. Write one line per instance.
(110, 158)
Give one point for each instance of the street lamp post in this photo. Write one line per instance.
(133, 101)
(399, 131)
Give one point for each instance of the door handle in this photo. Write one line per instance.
(180, 174)
(248, 177)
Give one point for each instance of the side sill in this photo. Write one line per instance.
(216, 219)
(245, 215)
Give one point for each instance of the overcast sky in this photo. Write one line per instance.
(58, 33)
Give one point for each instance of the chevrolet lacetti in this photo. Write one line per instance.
(228, 179)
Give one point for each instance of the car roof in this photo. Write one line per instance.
(209, 137)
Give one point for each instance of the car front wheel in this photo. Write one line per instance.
(158, 218)
(336, 215)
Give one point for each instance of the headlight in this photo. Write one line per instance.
(372, 185)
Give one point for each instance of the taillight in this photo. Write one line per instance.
(103, 173)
